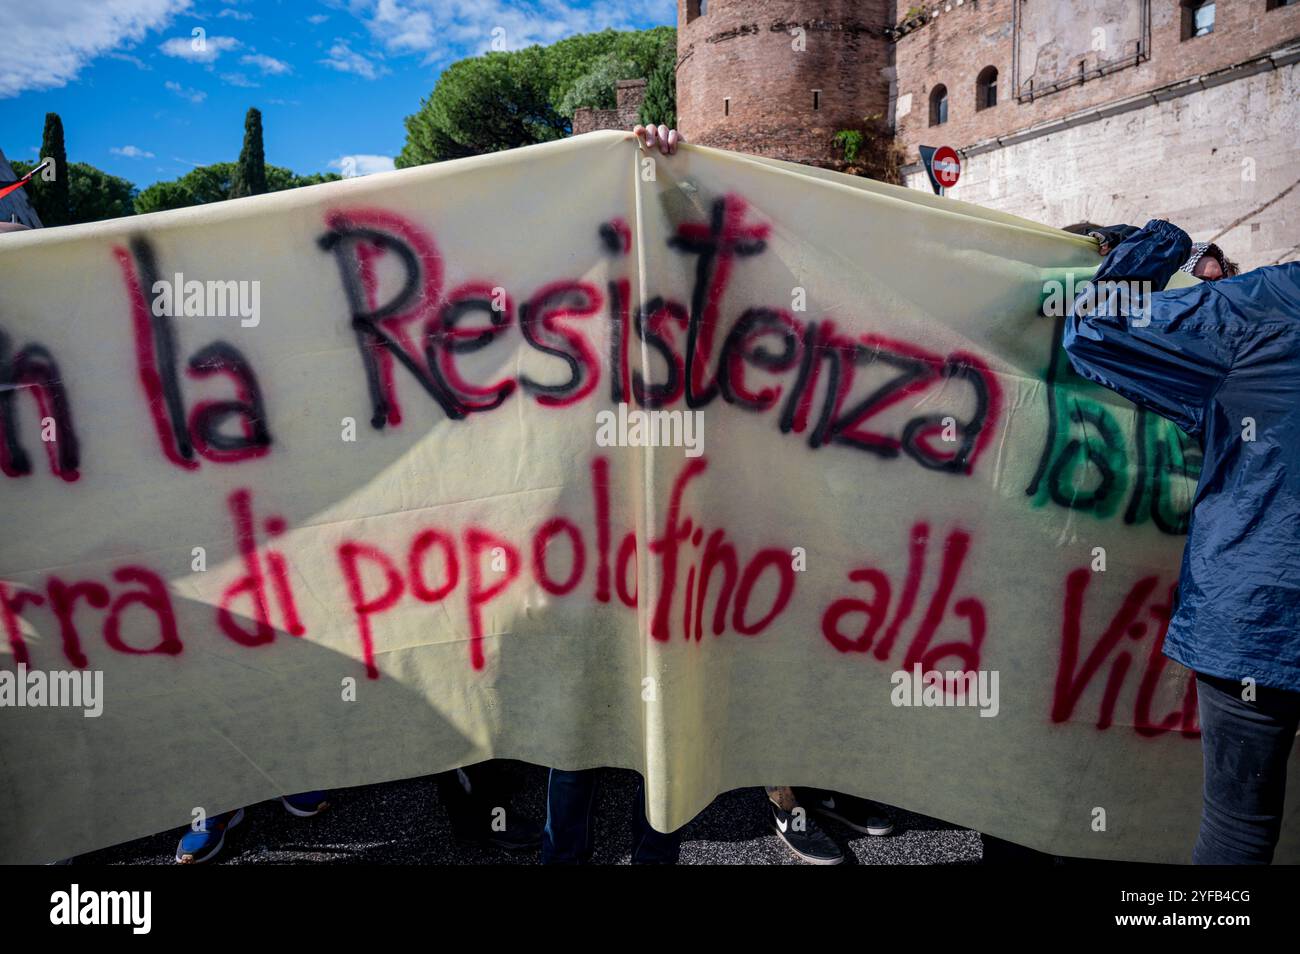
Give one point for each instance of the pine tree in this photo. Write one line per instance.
(250, 173)
(660, 103)
(51, 197)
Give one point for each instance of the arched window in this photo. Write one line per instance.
(939, 105)
(986, 88)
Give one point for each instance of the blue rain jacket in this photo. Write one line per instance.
(1215, 358)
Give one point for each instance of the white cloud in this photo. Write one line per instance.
(362, 165)
(238, 79)
(47, 44)
(199, 49)
(131, 152)
(133, 60)
(235, 14)
(344, 59)
(267, 64)
(402, 28)
(445, 28)
(184, 92)
(317, 18)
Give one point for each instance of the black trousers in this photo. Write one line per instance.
(1247, 746)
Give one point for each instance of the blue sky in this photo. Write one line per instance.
(145, 97)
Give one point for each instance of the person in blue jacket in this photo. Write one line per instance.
(1221, 360)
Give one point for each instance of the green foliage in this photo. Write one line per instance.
(165, 195)
(94, 195)
(850, 143)
(871, 150)
(53, 199)
(215, 183)
(574, 57)
(276, 175)
(595, 88)
(97, 195)
(199, 186)
(501, 100)
(484, 104)
(250, 174)
(660, 105)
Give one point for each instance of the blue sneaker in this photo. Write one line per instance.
(205, 844)
(305, 804)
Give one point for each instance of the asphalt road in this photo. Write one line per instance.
(404, 823)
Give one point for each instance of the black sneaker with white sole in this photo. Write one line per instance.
(803, 836)
(861, 815)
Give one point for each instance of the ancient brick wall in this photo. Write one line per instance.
(1105, 109)
(628, 94)
(780, 77)
(1047, 41)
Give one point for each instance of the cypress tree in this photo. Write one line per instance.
(250, 173)
(52, 198)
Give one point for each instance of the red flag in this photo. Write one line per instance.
(11, 186)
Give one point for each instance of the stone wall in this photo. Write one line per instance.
(628, 94)
(1220, 162)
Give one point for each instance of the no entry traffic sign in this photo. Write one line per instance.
(947, 166)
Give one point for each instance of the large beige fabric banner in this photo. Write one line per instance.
(361, 482)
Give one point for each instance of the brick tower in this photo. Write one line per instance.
(780, 77)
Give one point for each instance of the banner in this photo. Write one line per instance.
(722, 469)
